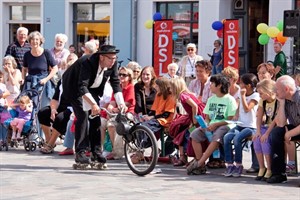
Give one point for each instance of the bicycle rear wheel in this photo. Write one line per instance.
(141, 152)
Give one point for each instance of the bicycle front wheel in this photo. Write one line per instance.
(141, 152)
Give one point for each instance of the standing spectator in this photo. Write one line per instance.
(187, 63)
(19, 47)
(12, 77)
(172, 70)
(59, 52)
(289, 109)
(37, 62)
(87, 78)
(72, 48)
(89, 48)
(279, 61)
(217, 58)
(136, 68)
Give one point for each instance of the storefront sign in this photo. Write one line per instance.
(162, 46)
(231, 43)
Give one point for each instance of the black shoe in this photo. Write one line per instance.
(277, 179)
(252, 170)
(97, 156)
(80, 157)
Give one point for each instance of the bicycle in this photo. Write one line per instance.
(140, 145)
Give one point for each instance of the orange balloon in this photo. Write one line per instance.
(281, 38)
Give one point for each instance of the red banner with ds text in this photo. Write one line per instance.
(162, 46)
(231, 43)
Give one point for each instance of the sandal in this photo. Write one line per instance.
(182, 161)
(136, 158)
(47, 149)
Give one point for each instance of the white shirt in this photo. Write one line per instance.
(248, 119)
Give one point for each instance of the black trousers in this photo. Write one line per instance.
(87, 131)
(278, 152)
(61, 119)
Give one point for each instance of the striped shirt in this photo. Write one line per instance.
(292, 109)
(17, 51)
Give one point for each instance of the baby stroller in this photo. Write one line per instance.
(30, 136)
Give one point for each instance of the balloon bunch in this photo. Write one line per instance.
(149, 23)
(274, 32)
(218, 26)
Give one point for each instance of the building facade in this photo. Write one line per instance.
(122, 23)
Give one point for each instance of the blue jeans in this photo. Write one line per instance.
(237, 135)
(217, 69)
(3, 133)
(69, 137)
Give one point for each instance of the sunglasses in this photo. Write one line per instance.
(190, 49)
(135, 71)
(123, 75)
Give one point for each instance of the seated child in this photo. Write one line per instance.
(24, 108)
(219, 108)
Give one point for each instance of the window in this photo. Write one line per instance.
(31, 12)
(185, 22)
(91, 21)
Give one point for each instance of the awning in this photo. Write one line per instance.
(98, 29)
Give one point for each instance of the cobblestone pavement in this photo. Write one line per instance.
(31, 175)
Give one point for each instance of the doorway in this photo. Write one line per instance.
(258, 12)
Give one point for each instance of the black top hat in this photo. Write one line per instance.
(108, 49)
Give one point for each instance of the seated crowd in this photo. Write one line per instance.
(257, 110)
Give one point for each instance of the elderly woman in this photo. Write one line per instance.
(136, 69)
(125, 76)
(39, 67)
(12, 77)
(172, 70)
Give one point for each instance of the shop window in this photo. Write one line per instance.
(185, 23)
(91, 21)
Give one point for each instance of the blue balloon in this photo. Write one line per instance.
(174, 35)
(157, 16)
(217, 25)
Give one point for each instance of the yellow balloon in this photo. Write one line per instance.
(262, 28)
(149, 24)
(272, 31)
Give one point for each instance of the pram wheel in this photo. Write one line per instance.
(32, 146)
(27, 146)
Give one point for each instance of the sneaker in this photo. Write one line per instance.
(238, 171)
(192, 166)
(277, 179)
(229, 171)
(290, 169)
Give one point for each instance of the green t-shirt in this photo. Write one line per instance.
(220, 108)
(280, 60)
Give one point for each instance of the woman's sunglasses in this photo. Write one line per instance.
(123, 75)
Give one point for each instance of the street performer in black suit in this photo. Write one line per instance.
(83, 84)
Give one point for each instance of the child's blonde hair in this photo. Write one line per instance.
(266, 86)
(178, 85)
(24, 99)
(231, 72)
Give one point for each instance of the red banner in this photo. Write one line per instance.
(231, 43)
(162, 46)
